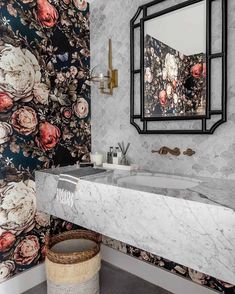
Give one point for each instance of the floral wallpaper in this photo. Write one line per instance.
(175, 84)
(44, 114)
(195, 276)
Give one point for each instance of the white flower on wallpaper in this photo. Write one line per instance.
(42, 219)
(20, 74)
(171, 66)
(5, 132)
(197, 277)
(6, 269)
(17, 205)
(41, 93)
(120, 246)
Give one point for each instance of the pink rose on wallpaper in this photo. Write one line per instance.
(69, 226)
(204, 70)
(80, 4)
(81, 108)
(24, 120)
(163, 97)
(67, 112)
(6, 102)
(197, 70)
(47, 14)
(174, 84)
(27, 250)
(49, 136)
(7, 239)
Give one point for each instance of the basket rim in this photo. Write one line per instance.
(74, 257)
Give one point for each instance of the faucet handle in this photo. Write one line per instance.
(189, 152)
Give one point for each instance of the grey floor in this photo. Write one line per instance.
(115, 281)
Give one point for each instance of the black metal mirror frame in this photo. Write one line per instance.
(134, 118)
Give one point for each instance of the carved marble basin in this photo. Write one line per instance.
(160, 181)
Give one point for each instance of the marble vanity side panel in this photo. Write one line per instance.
(165, 226)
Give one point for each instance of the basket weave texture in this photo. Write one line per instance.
(74, 257)
(73, 272)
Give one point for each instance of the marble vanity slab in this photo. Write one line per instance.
(194, 227)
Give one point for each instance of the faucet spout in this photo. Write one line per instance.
(166, 150)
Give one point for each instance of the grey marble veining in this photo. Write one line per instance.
(194, 228)
(215, 155)
(209, 190)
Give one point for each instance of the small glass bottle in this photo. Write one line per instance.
(115, 157)
(119, 154)
(111, 154)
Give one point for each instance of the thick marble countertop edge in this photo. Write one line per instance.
(193, 227)
(211, 191)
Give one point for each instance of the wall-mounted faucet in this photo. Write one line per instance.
(176, 151)
(165, 150)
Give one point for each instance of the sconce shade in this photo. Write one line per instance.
(107, 79)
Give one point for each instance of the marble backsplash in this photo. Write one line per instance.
(110, 117)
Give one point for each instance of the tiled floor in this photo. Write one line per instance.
(115, 281)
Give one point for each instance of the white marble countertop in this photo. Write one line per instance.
(209, 190)
(194, 227)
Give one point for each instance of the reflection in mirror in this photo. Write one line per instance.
(175, 64)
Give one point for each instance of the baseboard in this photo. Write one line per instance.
(24, 281)
(152, 274)
(160, 277)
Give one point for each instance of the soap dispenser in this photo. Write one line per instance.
(115, 157)
(110, 156)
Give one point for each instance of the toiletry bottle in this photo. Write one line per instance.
(119, 154)
(111, 155)
(108, 157)
(115, 158)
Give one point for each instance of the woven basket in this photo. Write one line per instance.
(73, 262)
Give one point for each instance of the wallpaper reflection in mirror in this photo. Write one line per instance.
(175, 64)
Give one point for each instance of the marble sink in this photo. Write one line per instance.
(190, 221)
(160, 181)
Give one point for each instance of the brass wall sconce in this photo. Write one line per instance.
(109, 80)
